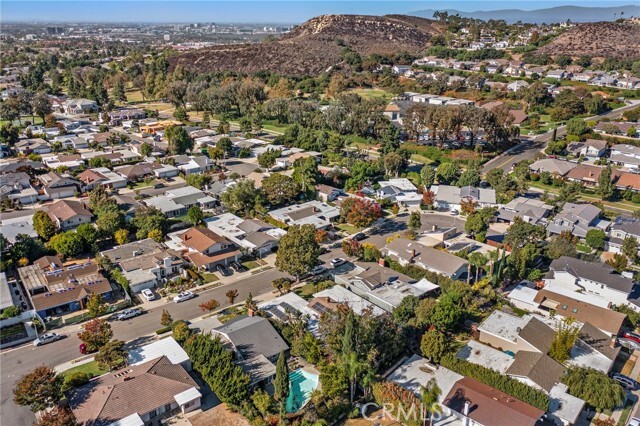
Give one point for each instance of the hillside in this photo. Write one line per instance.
(311, 47)
(598, 40)
(549, 15)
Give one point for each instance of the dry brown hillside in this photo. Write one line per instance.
(598, 40)
(311, 47)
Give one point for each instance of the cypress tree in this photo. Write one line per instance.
(281, 382)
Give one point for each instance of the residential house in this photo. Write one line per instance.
(284, 308)
(17, 188)
(587, 175)
(577, 219)
(55, 185)
(400, 69)
(116, 118)
(55, 288)
(590, 277)
(145, 263)
(167, 347)
(628, 181)
(615, 127)
(391, 188)
(256, 345)
(101, 176)
(206, 249)
(528, 209)
(313, 213)
(69, 214)
(556, 74)
(22, 225)
(382, 286)
(625, 155)
(532, 335)
(591, 149)
(71, 162)
(517, 85)
(407, 252)
(621, 228)
(449, 197)
(177, 202)
(332, 298)
(567, 305)
(32, 146)
(143, 394)
(327, 193)
(551, 165)
(80, 106)
(137, 172)
(189, 164)
(254, 235)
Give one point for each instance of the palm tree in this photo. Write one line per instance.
(478, 261)
(354, 368)
(429, 397)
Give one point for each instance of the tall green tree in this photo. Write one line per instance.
(280, 189)
(434, 345)
(429, 394)
(298, 250)
(415, 221)
(243, 198)
(605, 184)
(112, 355)
(630, 248)
(281, 381)
(595, 387)
(564, 339)
(44, 225)
(427, 175)
(305, 173)
(179, 140)
(195, 215)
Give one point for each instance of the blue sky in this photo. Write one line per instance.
(266, 11)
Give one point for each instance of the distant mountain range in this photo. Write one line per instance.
(549, 15)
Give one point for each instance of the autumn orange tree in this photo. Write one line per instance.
(95, 334)
(39, 389)
(209, 305)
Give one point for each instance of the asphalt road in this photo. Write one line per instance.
(16, 362)
(530, 147)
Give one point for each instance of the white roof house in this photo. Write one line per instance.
(312, 212)
(166, 347)
(356, 303)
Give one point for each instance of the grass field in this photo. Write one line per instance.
(34, 120)
(134, 96)
(421, 159)
(209, 277)
(89, 368)
(373, 93)
(348, 228)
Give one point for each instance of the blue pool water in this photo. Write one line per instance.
(301, 384)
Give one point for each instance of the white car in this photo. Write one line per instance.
(185, 295)
(128, 314)
(337, 261)
(626, 382)
(46, 338)
(454, 212)
(634, 421)
(148, 294)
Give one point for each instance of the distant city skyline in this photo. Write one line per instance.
(254, 11)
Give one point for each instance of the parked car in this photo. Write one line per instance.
(318, 270)
(223, 270)
(634, 421)
(359, 236)
(148, 294)
(629, 344)
(238, 267)
(626, 382)
(43, 339)
(128, 314)
(185, 295)
(632, 336)
(337, 261)
(454, 212)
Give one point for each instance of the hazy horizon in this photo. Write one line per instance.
(244, 12)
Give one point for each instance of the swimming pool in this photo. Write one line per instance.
(301, 384)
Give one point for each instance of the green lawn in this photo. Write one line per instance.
(373, 93)
(89, 368)
(421, 159)
(348, 228)
(273, 126)
(209, 277)
(33, 120)
(250, 264)
(583, 248)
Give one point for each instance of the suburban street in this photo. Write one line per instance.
(530, 147)
(18, 361)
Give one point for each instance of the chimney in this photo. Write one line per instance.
(381, 262)
(465, 412)
(614, 340)
(434, 228)
(250, 312)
